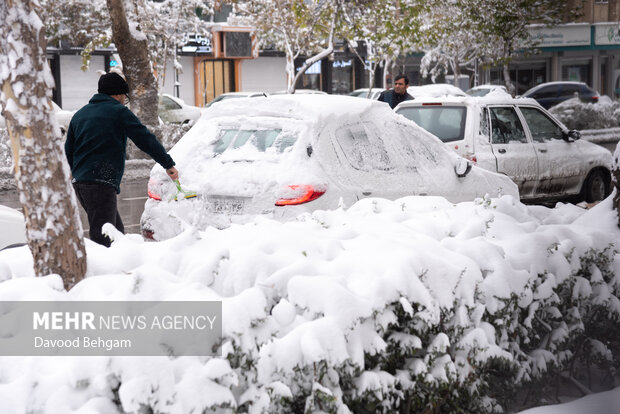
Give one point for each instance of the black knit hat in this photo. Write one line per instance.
(112, 84)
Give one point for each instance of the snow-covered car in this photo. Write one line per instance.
(363, 93)
(13, 228)
(63, 117)
(233, 95)
(301, 92)
(518, 138)
(435, 90)
(482, 90)
(175, 110)
(299, 153)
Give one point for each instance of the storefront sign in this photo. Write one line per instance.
(606, 34)
(197, 44)
(560, 36)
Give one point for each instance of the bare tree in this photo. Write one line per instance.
(53, 226)
(133, 49)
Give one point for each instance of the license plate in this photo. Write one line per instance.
(227, 205)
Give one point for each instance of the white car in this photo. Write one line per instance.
(13, 228)
(482, 90)
(63, 117)
(294, 154)
(175, 110)
(520, 139)
(435, 90)
(363, 93)
(301, 92)
(233, 95)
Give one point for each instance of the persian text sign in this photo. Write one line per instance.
(136, 328)
(606, 34)
(560, 36)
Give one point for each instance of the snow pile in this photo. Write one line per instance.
(415, 301)
(576, 114)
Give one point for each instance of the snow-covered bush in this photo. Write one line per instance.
(576, 114)
(414, 305)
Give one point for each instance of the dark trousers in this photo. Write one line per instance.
(99, 201)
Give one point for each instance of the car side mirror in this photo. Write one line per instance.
(462, 167)
(572, 135)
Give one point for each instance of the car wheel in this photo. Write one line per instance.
(596, 187)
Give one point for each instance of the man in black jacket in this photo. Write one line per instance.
(397, 95)
(96, 149)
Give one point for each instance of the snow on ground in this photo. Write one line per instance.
(601, 403)
(297, 293)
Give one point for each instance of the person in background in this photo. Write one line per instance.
(96, 148)
(397, 95)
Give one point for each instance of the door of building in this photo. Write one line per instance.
(215, 78)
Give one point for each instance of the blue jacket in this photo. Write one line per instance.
(96, 143)
(392, 98)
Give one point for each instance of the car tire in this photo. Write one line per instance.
(595, 187)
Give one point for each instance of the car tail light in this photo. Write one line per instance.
(151, 190)
(595, 99)
(432, 104)
(299, 194)
(148, 234)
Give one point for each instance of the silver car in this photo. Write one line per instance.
(294, 154)
(520, 139)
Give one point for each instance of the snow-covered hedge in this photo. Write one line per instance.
(414, 305)
(576, 114)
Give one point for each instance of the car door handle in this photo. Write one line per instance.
(501, 150)
(366, 193)
(542, 149)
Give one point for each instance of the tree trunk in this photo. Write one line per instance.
(53, 226)
(133, 50)
(509, 85)
(616, 181)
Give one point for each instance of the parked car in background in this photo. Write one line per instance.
(63, 117)
(13, 228)
(482, 90)
(363, 93)
(294, 154)
(175, 110)
(520, 139)
(301, 92)
(435, 90)
(552, 93)
(233, 95)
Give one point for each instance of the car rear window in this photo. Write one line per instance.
(259, 139)
(445, 122)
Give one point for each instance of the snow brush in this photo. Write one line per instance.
(184, 193)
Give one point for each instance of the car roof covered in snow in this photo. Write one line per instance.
(303, 107)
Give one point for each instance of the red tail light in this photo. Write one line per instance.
(432, 104)
(472, 158)
(151, 190)
(300, 194)
(595, 99)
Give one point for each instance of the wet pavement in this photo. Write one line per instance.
(130, 204)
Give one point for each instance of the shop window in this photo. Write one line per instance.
(577, 72)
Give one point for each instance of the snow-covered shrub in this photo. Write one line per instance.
(576, 114)
(414, 305)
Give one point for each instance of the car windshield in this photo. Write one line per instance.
(445, 122)
(478, 92)
(262, 140)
